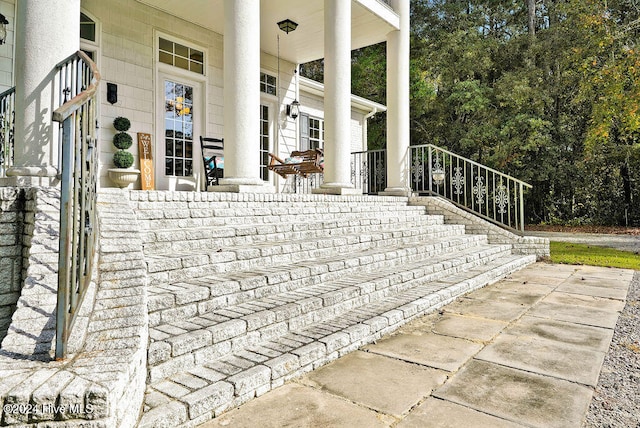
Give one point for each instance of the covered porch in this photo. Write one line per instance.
(222, 39)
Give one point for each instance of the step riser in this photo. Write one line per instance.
(159, 210)
(166, 269)
(167, 219)
(269, 325)
(222, 293)
(315, 239)
(165, 242)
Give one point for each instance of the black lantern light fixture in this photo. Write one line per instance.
(287, 25)
(293, 109)
(3, 29)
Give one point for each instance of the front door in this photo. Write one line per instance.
(176, 163)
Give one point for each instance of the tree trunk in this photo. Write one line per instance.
(531, 14)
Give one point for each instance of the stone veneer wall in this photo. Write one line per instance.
(475, 225)
(11, 229)
(102, 383)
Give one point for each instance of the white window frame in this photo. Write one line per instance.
(320, 128)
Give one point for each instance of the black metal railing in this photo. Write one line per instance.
(488, 193)
(369, 171)
(77, 80)
(7, 129)
(303, 185)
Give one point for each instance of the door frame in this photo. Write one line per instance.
(198, 82)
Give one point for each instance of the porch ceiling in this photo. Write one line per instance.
(372, 20)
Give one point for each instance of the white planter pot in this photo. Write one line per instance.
(123, 177)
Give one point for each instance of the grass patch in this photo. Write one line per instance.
(581, 254)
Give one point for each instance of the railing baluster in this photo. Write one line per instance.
(78, 79)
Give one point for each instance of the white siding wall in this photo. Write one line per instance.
(127, 58)
(8, 9)
(314, 106)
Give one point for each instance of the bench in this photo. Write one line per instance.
(300, 163)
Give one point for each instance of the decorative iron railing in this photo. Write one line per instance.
(303, 185)
(7, 129)
(369, 171)
(490, 194)
(78, 80)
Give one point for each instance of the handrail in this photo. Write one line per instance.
(78, 80)
(72, 105)
(525, 184)
(486, 192)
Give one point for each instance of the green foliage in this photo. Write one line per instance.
(580, 254)
(557, 108)
(121, 124)
(122, 159)
(122, 140)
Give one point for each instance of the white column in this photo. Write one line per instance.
(398, 137)
(337, 100)
(47, 32)
(241, 97)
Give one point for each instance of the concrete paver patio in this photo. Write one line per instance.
(526, 351)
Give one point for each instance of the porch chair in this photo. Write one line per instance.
(299, 163)
(212, 159)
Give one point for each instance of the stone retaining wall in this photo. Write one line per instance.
(102, 383)
(11, 227)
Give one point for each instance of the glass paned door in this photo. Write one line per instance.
(178, 129)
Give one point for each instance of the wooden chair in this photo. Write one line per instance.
(307, 162)
(212, 159)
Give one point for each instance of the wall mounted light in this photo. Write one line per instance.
(287, 25)
(112, 93)
(293, 109)
(3, 29)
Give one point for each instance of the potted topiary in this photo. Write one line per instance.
(123, 175)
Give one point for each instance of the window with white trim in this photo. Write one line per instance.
(89, 36)
(181, 56)
(316, 133)
(311, 132)
(268, 84)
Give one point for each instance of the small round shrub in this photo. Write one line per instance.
(122, 140)
(122, 159)
(121, 124)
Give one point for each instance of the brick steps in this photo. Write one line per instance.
(168, 216)
(220, 290)
(213, 385)
(170, 268)
(170, 240)
(214, 333)
(244, 295)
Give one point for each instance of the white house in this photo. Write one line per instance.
(229, 67)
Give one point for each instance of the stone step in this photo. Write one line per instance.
(214, 334)
(179, 209)
(208, 387)
(178, 266)
(170, 220)
(163, 241)
(170, 301)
